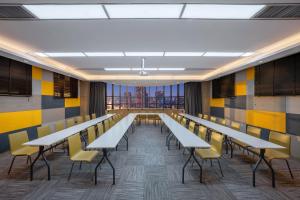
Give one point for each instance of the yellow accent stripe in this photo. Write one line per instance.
(47, 88)
(270, 120)
(72, 102)
(36, 73)
(241, 88)
(250, 74)
(11, 121)
(220, 102)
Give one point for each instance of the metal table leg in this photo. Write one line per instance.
(41, 153)
(106, 158)
(262, 158)
(192, 156)
(227, 142)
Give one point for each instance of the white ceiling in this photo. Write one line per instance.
(147, 35)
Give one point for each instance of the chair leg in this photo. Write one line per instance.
(211, 163)
(71, 171)
(288, 165)
(80, 165)
(12, 162)
(220, 167)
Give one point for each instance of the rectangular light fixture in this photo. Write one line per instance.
(220, 11)
(141, 54)
(183, 53)
(117, 69)
(248, 54)
(145, 69)
(40, 54)
(51, 11)
(65, 54)
(171, 69)
(223, 54)
(108, 54)
(144, 11)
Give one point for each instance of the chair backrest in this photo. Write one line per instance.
(87, 117)
(79, 119)
(59, 126)
(205, 116)
(183, 122)
(213, 119)
(111, 122)
(282, 140)
(70, 122)
(43, 131)
(106, 125)
(179, 117)
(254, 131)
(192, 126)
(175, 116)
(202, 131)
(74, 144)
(91, 134)
(100, 128)
(200, 115)
(16, 140)
(222, 121)
(94, 116)
(216, 142)
(235, 125)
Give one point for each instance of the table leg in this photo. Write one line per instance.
(227, 142)
(106, 158)
(192, 156)
(41, 153)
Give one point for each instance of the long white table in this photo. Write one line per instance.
(186, 138)
(254, 142)
(55, 138)
(110, 139)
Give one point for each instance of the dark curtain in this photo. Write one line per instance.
(97, 98)
(192, 98)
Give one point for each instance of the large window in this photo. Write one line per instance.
(121, 96)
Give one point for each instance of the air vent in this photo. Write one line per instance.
(279, 12)
(14, 12)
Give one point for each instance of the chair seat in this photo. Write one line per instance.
(87, 156)
(275, 154)
(207, 153)
(25, 151)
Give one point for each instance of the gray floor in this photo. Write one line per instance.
(148, 171)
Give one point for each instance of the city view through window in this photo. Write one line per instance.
(122, 96)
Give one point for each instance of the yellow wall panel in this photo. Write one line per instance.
(11, 121)
(250, 74)
(270, 120)
(219, 102)
(36, 73)
(72, 102)
(241, 88)
(47, 88)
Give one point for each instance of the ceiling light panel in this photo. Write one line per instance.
(183, 53)
(117, 69)
(41, 54)
(171, 69)
(144, 11)
(145, 69)
(248, 54)
(223, 54)
(218, 11)
(141, 54)
(65, 54)
(67, 11)
(108, 54)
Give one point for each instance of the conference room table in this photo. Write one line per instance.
(251, 141)
(50, 141)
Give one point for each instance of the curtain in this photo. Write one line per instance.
(192, 98)
(97, 98)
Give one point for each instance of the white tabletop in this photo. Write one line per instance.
(185, 137)
(112, 137)
(238, 135)
(65, 133)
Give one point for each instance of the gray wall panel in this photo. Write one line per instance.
(53, 115)
(13, 104)
(52, 102)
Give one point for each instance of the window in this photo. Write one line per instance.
(65, 87)
(122, 96)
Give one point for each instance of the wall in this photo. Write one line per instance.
(27, 113)
(279, 113)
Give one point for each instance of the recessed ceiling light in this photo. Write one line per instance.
(171, 69)
(145, 69)
(65, 54)
(144, 53)
(40, 54)
(248, 54)
(223, 54)
(219, 11)
(93, 54)
(51, 11)
(183, 53)
(117, 69)
(144, 10)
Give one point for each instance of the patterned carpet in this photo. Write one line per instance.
(148, 171)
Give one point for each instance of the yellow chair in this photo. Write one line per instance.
(70, 122)
(202, 132)
(235, 125)
(205, 117)
(16, 141)
(100, 129)
(200, 115)
(59, 126)
(91, 134)
(213, 119)
(192, 126)
(79, 119)
(43, 131)
(179, 118)
(183, 122)
(222, 122)
(280, 154)
(87, 118)
(254, 131)
(215, 151)
(106, 125)
(110, 122)
(77, 154)
(94, 116)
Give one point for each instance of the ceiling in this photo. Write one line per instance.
(140, 35)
